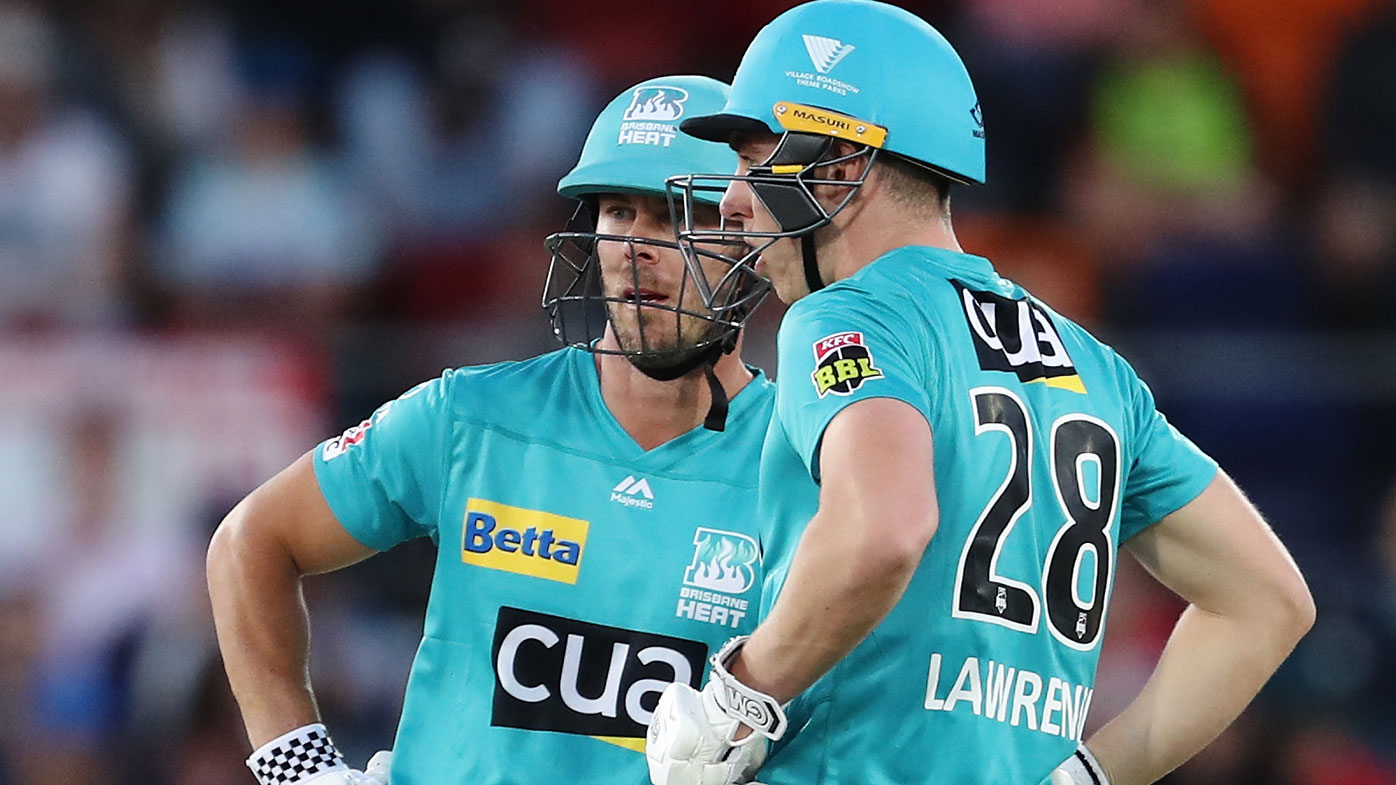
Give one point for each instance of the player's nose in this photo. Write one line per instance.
(649, 226)
(736, 202)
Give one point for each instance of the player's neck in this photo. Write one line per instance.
(872, 233)
(654, 412)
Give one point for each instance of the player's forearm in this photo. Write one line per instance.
(843, 581)
(263, 630)
(1211, 669)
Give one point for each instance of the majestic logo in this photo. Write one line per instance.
(656, 103)
(842, 364)
(558, 674)
(825, 53)
(523, 541)
(978, 116)
(340, 444)
(633, 493)
(722, 561)
(1018, 336)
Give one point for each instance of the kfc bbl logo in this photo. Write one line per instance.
(842, 363)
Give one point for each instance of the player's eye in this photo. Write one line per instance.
(618, 212)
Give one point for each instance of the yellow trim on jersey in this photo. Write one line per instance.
(1072, 383)
(637, 745)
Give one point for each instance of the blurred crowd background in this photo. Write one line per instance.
(229, 230)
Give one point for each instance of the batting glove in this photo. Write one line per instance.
(1080, 769)
(307, 756)
(692, 737)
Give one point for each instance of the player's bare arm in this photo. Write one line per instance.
(877, 513)
(1248, 608)
(282, 531)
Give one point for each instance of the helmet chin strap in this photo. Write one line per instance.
(716, 418)
(812, 277)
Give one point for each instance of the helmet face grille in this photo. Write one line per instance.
(784, 184)
(653, 334)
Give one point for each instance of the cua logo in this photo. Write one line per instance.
(569, 676)
(1018, 336)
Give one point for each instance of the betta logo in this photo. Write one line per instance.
(722, 561)
(657, 104)
(518, 540)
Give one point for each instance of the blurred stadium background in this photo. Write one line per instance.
(231, 229)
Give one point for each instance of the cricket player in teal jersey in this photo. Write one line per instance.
(952, 468)
(582, 564)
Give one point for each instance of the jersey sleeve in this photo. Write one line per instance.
(843, 349)
(1167, 470)
(383, 478)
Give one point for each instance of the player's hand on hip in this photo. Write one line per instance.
(692, 741)
(1080, 769)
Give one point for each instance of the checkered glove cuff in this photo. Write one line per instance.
(296, 756)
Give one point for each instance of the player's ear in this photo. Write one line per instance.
(850, 169)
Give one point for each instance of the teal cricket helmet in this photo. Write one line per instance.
(860, 70)
(635, 143)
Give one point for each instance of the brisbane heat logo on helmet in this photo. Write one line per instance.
(842, 364)
(657, 103)
(651, 115)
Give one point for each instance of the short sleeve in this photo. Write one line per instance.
(836, 349)
(1167, 470)
(383, 478)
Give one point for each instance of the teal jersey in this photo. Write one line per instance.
(1049, 453)
(576, 574)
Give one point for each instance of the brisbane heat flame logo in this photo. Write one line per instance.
(657, 104)
(722, 561)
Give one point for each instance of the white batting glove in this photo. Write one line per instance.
(307, 756)
(378, 766)
(692, 736)
(1080, 769)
